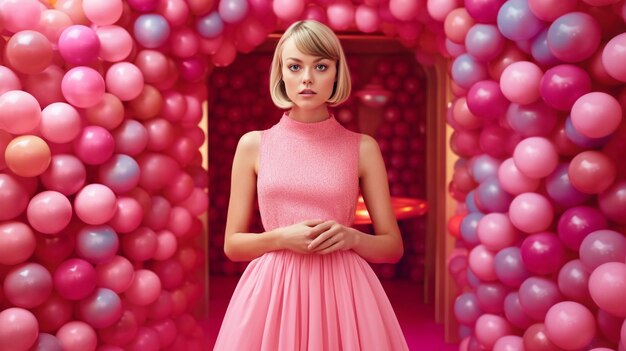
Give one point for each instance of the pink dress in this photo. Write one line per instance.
(287, 301)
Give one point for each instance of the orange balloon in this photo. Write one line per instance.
(27, 155)
(148, 104)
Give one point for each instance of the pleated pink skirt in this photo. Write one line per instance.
(287, 301)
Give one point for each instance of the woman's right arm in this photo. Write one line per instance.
(239, 244)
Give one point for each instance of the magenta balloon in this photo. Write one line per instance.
(609, 326)
(531, 212)
(596, 114)
(29, 52)
(562, 85)
(83, 87)
(13, 197)
(520, 82)
(75, 279)
(537, 295)
(484, 11)
(53, 313)
(496, 141)
(543, 253)
(490, 297)
(157, 170)
(146, 339)
(577, 222)
(19, 329)
(613, 54)
(94, 145)
(602, 246)
(27, 285)
(607, 284)
(561, 190)
(485, 100)
(564, 36)
(514, 313)
(570, 325)
(573, 281)
(535, 119)
(54, 249)
(49, 212)
(510, 267)
(612, 202)
(79, 45)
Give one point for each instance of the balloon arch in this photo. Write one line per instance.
(102, 181)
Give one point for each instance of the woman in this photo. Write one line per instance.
(309, 286)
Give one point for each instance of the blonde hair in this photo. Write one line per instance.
(315, 39)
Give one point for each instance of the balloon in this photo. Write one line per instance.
(47, 342)
(366, 18)
(116, 44)
(519, 82)
(491, 197)
(560, 189)
(128, 215)
(602, 246)
(148, 104)
(60, 122)
(14, 197)
(612, 54)
(509, 266)
(28, 52)
(562, 85)
(17, 243)
(288, 10)
(573, 281)
(144, 289)
(480, 261)
(27, 285)
(176, 12)
(124, 80)
(537, 295)
(75, 279)
(534, 119)
(122, 332)
(540, 50)
(485, 100)
(606, 286)
(17, 15)
(577, 222)
(139, 245)
(101, 309)
(484, 42)
(83, 87)
(466, 71)
(517, 22)
(19, 329)
(564, 34)
(54, 249)
(513, 181)
(27, 155)
(233, 11)
(210, 25)
(581, 140)
(19, 112)
(77, 336)
(52, 23)
(66, 174)
(484, 11)
(151, 30)
(497, 141)
(612, 202)
(116, 274)
(543, 253)
(531, 212)
(166, 245)
(491, 297)
(490, 327)
(596, 114)
(570, 325)
(514, 313)
(469, 226)
(535, 157)
(97, 244)
(94, 145)
(49, 212)
(549, 10)
(103, 12)
(185, 43)
(535, 339)
(79, 45)
(591, 172)
(457, 24)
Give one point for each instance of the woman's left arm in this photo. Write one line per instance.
(386, 245)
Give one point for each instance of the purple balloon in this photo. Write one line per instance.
(151, 30)
(47, 342)
(534, 119)
(541, 52)
(233, 11)
(101, 309)
(577, 222)
(97, 244)
(486, 100)
(573, 281)
(509, 266)
(581, 140)
(562, 85)
(490, 297)
(517, 22)
(491, 197)
(602, 246)
(574, 37)
(560, 189)
(469, 224)
(537, 295)
(484, 11)
(514, 312)
(484, 42)
(484, 166)
(466, 308)
(466, 71)
(543, 253)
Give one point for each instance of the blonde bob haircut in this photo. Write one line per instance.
(315, 39)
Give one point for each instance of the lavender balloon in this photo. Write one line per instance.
(151, 30)
(566, 32)
(101, 309)
(466, 308)
(517, 22)
(510, 267)
(466, 71)
(602, 246)
(491, 197)
(537, 295)
(97, 244)
(560, 188)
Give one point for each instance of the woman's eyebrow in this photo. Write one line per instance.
(298, 60)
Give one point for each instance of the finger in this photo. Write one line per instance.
(312, 222)
(319, 229)
(332, 248)
(322, 237)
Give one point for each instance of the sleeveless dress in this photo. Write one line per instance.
(286, 301)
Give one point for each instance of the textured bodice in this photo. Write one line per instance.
(307, 171)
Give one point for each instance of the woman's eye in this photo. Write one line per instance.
(293, 67)
(321, 67)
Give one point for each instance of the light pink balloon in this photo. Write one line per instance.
(288, 10)
(596, 114)
(607, 284)
(439, 9)
(52, 23)
(18, 15)
(520, 82)
(366, 18)
(19, 329)
(17, 243)
(95, 204)
(19, 112)
(491, 327)
(8, 80)
(495, 231)
(77, 336)
(49, 212)
(613, 56)
(509, 343)
(124, 80)
(103, 12)
(480, 261)
(115, 43)
(60, 122)
(570, 325)
(531, 212)
(535, 157)
(83, 86)
(406, 10)
(66, 174)
(513, 181)
(340, 14)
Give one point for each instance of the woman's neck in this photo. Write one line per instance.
(309, 115)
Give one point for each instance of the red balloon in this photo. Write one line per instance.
(592, 172)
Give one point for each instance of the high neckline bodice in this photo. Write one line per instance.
(309, 130)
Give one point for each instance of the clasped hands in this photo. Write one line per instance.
(318, 237)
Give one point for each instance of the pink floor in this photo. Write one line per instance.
(416, 318)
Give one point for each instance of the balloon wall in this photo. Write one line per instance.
(101, 178)
(239, 101)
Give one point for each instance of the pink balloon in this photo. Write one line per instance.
(613, 54)
(122, 332)
(95, 204)
(128, 216)
(602, 246)
(75, 279)
(14, 197)
(509, 343)
(19, 112)
(18, 15)
(535, 157)
(612, 202)
(485, 100)
(124, 80)
(607, 284)
(288, 10)
(66, 174)
(52, 23)
(549, 10)
(573, 281)
(131, 138)
(83, 87)
(438, 10)
(103, 12)
(116, 274)
(481, 263)
(28, 52)
(513, 181)
(496, 231)
(27, 285)
(596, 114)
(8, 80)
(45, 86)
(116, 44)
(17, 243)
(77, 336)
(146, 339)
(19, 329)
(79, 45)
(144, 289)
(406, 10)
(570, 325)
(60, 123)
(184, 42)
(366, 18)
(531, 212)
(519, 82)
(176, 12)
(591, 172)
(490, 327)
(153, 164)
(49, 212)
(166, 245)
(94, 145)
(108, 114)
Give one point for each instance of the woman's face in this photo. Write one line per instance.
(308, 79)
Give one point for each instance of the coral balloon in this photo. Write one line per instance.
(19, 329)
(570, 325)
(591, 172)
(28, 52)
(27, 155)
(19, 112)
(49, 212)
(17, 243)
